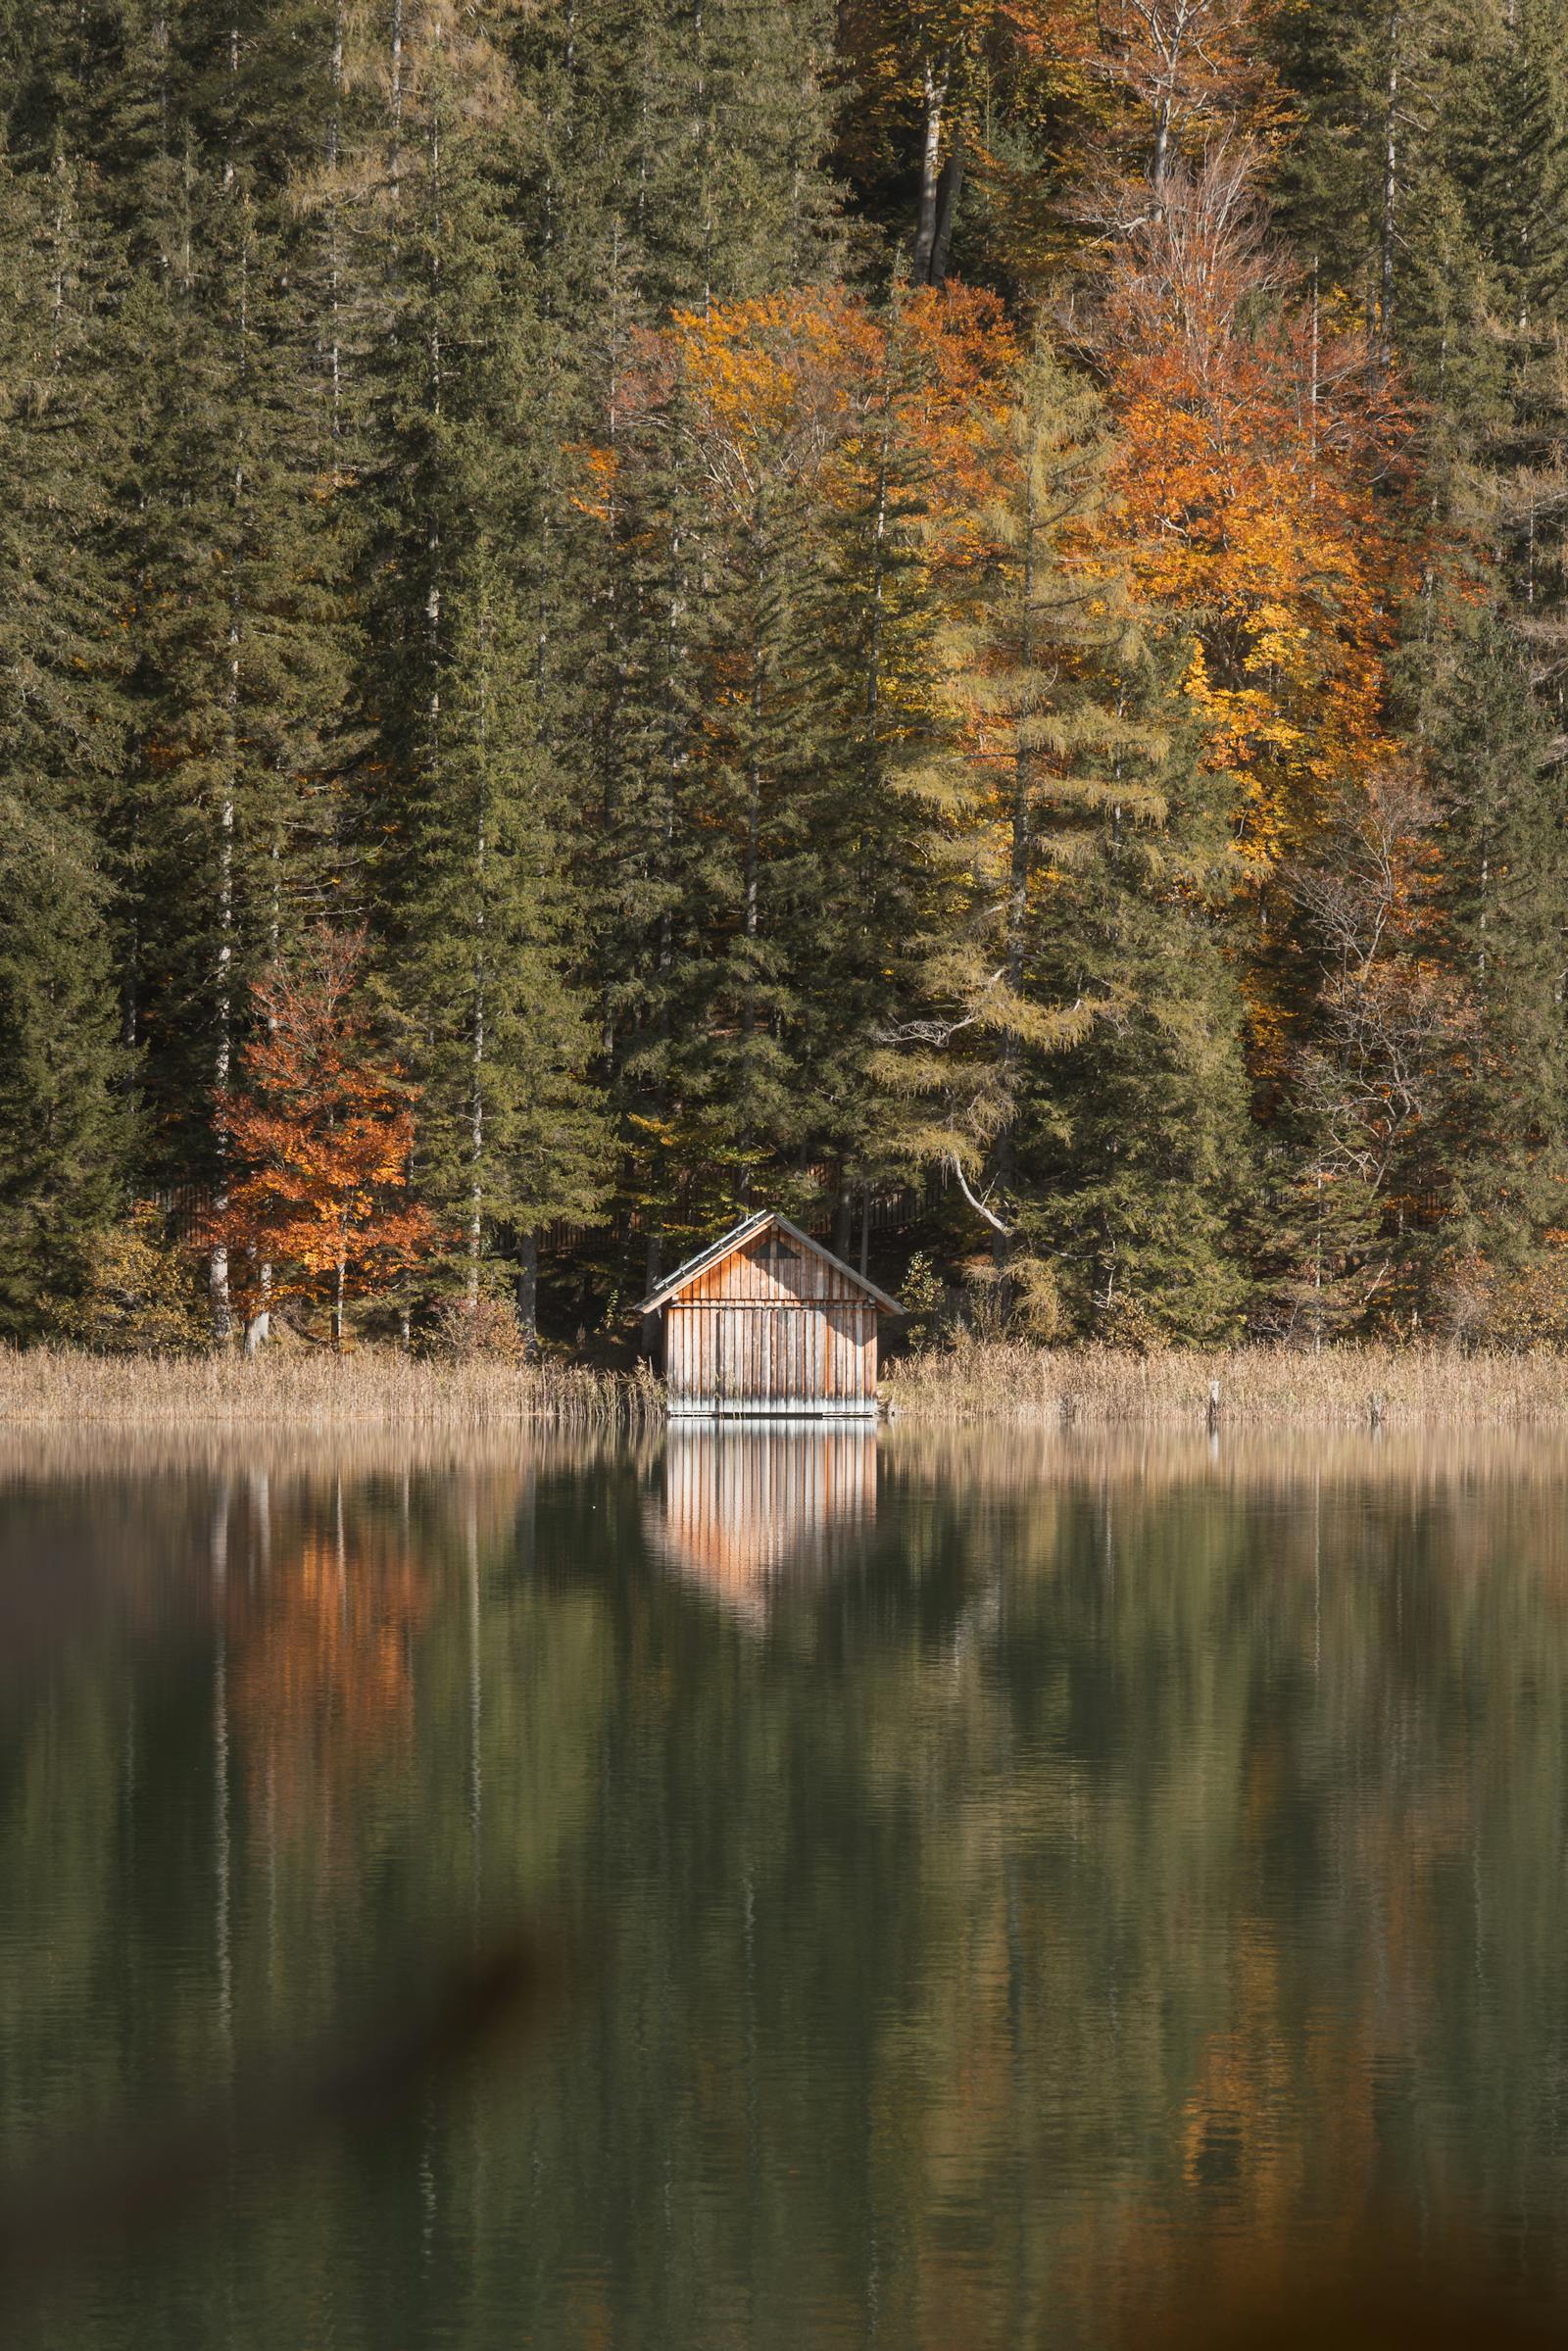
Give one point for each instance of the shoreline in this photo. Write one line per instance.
(1254, 1386)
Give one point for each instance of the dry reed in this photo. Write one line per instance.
(1343, 1387)
(373, 1388)
(1346, 1387)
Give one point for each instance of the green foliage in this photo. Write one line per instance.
(63, 1127)
(450, 483)
(925, 1297)
(143, 1293)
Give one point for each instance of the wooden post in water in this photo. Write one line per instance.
(1213, 1405)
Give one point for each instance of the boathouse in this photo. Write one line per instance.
(767, 1321)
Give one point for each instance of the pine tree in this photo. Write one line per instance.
(242, 715)
(1139, 1141)
(64, 1129)
(66, 1142)
(1504, 1146)
(470, 850)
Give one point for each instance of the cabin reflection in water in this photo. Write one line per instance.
(742, 1510)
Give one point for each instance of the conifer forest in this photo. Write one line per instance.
(618, 610)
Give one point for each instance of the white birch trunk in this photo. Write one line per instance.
(925, 235)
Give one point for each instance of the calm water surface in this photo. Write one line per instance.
(1005, 1883)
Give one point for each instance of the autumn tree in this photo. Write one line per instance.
(321, 1133)
(1357, 1155)
(1189, 72)
(1075, 1054)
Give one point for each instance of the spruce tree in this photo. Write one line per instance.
(232, 518)
(466, 836)
(64, 1129)
(1504, 1146)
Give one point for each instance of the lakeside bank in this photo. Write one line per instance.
(1258, 1387)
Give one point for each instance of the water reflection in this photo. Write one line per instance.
(322, 1672)
(1067, 1879)
(742, 1511)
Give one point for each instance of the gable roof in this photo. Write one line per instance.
(748, 1229)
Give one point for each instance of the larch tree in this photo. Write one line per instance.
(321, 1205)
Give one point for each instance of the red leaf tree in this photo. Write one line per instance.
(321, 1136)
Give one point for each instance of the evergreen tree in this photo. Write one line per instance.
(1137, 1141)
(467, 848)
(1504, 1145)
(63, 1132)
(231, 517)
(64, 1147)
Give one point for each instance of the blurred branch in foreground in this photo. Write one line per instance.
(100, 2190)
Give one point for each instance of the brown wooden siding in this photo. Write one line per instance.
(750, 1337)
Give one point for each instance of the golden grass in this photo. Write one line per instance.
(380, 1389)
(1345, 1386)
(371, 1388)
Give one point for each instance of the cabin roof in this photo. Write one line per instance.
(736, 1238)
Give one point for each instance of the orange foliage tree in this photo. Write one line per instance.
(1261, 456)
(322, 1133)
(1186, 71)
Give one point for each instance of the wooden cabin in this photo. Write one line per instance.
(767, 1321)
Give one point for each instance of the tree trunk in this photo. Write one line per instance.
(949, 189)
(1020, 868)
(334, 238)
(1390, 193)
(260, 1327)
(653, 1261)
(1160, 165)
(754, 839)
(339, 1290)
(925, 237)
(395, 102)
(528, 1291)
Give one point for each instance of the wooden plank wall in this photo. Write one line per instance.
(752, 1337)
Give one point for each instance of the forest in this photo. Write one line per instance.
(616, 610)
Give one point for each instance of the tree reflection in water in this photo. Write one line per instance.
(1064, 1884)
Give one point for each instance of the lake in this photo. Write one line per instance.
(992, 1888)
